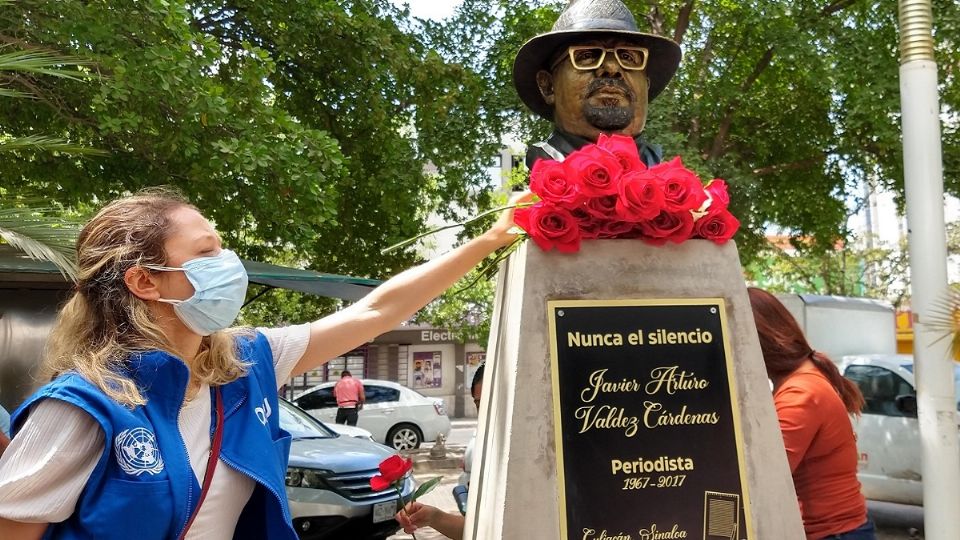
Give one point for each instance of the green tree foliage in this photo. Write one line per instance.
(792, 102)
(303, 129)
(854, 268)
(465, 309)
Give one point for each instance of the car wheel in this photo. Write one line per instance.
(404, 437)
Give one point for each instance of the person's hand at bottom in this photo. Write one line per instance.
(416, 515)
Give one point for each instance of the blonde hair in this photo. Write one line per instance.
(103, 323)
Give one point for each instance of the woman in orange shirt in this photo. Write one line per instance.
(813, 404)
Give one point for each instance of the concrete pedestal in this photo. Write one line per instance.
(514, 488)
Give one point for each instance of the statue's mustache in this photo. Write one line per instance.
(598, 84)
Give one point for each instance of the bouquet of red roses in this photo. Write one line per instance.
(604, 190)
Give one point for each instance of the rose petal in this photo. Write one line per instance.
(379, 483)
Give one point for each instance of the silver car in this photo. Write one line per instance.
(328, 482)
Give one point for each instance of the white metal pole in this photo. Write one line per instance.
(923, 178)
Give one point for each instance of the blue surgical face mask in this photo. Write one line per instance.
(220, 286)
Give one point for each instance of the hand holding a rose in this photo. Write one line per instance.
(416, 515)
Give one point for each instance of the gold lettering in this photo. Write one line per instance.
(655, 416)
(576, 339)
(669, 379)
(606, 417)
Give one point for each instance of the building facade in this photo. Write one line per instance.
(424, 358)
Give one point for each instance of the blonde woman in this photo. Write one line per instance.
(160, 422)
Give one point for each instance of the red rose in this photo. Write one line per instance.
(589, 225)
(595, 170)
(717, 190)
(392, 469)
(641, 197)
(550, 226)
(549, 180)
(682, 189)
(603, 208)
(625, 150)
(617, 229)
(668, 226)
(718, 225)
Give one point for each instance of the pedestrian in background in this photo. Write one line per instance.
(350, 398)
(814, 403)
(151, 393)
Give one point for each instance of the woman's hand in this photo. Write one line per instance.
(503, 229)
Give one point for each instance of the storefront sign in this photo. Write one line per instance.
(647, 432)
(436, 335)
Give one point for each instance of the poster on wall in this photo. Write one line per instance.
(474, 361)
(427, 370)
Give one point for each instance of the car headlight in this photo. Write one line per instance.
(307, 478)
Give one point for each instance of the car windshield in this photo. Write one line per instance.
(301, 425)
(956, 379)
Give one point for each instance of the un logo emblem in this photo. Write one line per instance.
(136, 452)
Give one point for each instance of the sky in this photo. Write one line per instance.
(430, 9)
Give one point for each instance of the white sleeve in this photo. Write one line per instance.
(45, 468)
(288, 345)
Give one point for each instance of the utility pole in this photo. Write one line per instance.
(923, 179)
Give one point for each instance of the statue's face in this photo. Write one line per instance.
(608, 99)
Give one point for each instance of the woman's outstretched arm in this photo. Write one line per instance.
(400, 297)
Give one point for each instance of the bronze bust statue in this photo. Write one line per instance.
(593, 73)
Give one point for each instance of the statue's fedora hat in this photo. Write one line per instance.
(583, 20)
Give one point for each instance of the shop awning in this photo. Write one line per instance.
(16, 267)
(308, 281)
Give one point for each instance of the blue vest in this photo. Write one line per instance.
(143, 486)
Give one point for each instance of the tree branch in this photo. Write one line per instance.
(49, 98)
(835, 6)
(721, 138)
(719, 141)
(705, 57)
(683, 21)
(655, 18)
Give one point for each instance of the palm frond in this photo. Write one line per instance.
(944, 320)
(41, 234)
(40, 62)
(6, 92)
(46, 144)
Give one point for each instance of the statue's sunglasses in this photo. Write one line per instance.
(586, 58)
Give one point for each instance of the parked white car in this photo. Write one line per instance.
(888, 434)
(351, 431)
(395, 415)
